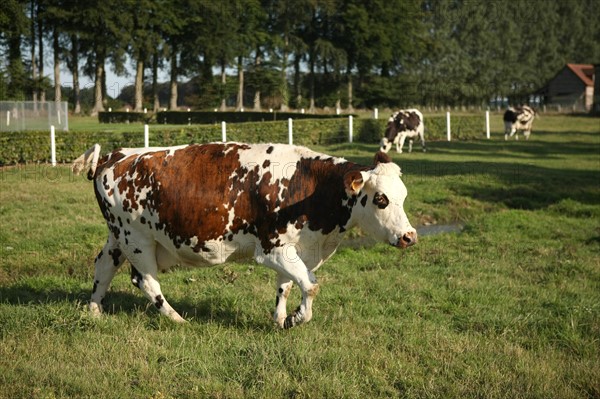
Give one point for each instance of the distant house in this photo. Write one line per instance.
(572, 88)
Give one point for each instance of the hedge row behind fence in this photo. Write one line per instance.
(206, 117)
(25, 147)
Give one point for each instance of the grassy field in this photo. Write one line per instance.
(507, 308)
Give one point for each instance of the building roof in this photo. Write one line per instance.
(585, 72)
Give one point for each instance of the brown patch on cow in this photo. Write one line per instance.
(381, 157)
(313, 291)
(193, 190)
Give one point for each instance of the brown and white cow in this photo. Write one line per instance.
(402, 125)
(286, 206)
(518, 118)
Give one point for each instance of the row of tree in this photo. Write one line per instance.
(300, 53)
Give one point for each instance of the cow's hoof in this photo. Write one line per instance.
(95, 309)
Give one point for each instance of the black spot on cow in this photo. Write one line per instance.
(99, 256)
(136, 277)
(270, 149)
(266, 164)
(364, 200)
(137, 251)
(95, 286)
(116, 256)
(159, 301)
(143, 220)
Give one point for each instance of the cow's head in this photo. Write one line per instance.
(380, 195)
(390, 134)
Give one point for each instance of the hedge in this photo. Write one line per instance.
(203, 117)
(123, 117)
(34, 146)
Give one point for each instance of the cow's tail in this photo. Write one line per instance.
(87, 161)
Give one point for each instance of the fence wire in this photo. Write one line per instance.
(18, 116)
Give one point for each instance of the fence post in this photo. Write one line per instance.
(290, 131)
(7, 118)
(376, 113)
(487, 124)
(350, 128)
(52, 146)
(224, 131)
(146, 138)
(448, 125)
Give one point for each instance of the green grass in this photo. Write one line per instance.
(508, 308)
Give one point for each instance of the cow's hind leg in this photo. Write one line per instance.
(107, 262)
(144, 276)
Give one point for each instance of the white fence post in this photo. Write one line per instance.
(448, 125)
(146, 137)
(224, 131)
(376, 113)
(350, 128)
(487, 124)
(290, 131)
(52, 146)
(7, 118)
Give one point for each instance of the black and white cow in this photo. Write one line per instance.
(402, 125)
(287, 207)
(518, 118)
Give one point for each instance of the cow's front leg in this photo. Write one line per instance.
(284, 286)
(400, 143)
(287, 263)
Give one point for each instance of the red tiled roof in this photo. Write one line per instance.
(585, 72)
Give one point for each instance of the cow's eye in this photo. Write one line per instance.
(381, 200)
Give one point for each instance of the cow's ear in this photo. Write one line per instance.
(354, 181)
(381, 157)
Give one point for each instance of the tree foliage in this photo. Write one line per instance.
(304, 53)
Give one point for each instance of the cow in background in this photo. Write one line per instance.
(402, 125)
(518, 118)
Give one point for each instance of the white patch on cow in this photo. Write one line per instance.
(391, 223)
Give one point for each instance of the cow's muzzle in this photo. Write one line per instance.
(407, 240)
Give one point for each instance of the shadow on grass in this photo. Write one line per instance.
(217, 309)
(519, 184)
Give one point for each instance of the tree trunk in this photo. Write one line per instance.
(297, 90)
(56, 48)
(98, 107)
(173, 84)
(284, 89)
(104, 88)
(311, 107)
(41, 60)
(75, 72)
(223, 91)
(156, 100)
(139, 85)
(240, 96)
(257, 92)
(33, 63)
(350, 107)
